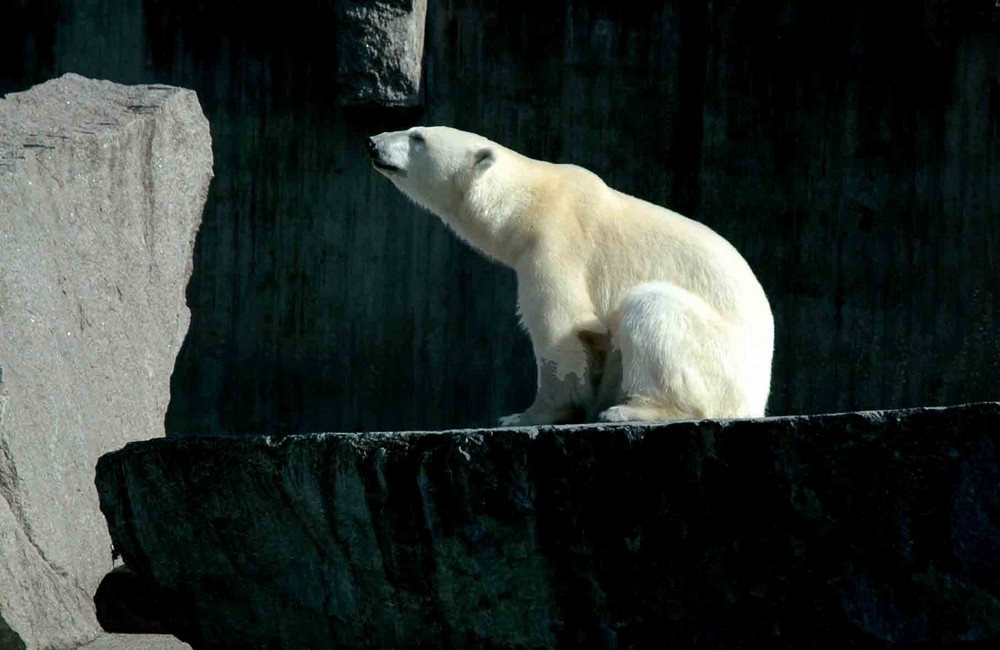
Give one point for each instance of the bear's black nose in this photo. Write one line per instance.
(371, 147)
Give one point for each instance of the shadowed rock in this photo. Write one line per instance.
(858, 530)
(101, 192)
(380, 47)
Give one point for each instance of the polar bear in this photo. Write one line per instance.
(635, 312)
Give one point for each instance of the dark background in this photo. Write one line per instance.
(849, 150)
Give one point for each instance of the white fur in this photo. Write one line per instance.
(602, 276)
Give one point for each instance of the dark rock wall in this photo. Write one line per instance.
(850, 151)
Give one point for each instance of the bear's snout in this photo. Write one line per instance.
(381, 158)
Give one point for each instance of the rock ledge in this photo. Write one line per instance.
(856, 530)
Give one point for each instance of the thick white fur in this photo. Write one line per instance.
(604, 280)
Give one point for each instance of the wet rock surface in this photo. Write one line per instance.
(858, 530)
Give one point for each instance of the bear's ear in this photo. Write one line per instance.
(484, 158)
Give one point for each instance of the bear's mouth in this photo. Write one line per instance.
(378, 164)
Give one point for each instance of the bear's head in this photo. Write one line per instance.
(436, 166)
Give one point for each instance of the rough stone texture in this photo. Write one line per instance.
(135, 642)
(858, 530)
(101, 192)
(380, 47)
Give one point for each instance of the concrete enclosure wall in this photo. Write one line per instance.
(850, 151)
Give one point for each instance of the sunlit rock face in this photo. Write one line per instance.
(101, 192)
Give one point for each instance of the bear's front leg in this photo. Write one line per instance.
(565, 385)
(554, 403)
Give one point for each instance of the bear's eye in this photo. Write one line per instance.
(416, 137)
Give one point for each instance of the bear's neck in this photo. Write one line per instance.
(492, 216)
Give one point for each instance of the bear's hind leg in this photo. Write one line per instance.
(638, 412)
(680, 358)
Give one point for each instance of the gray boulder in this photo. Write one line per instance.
(859, 530)
(380, 47)
(101, 192)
